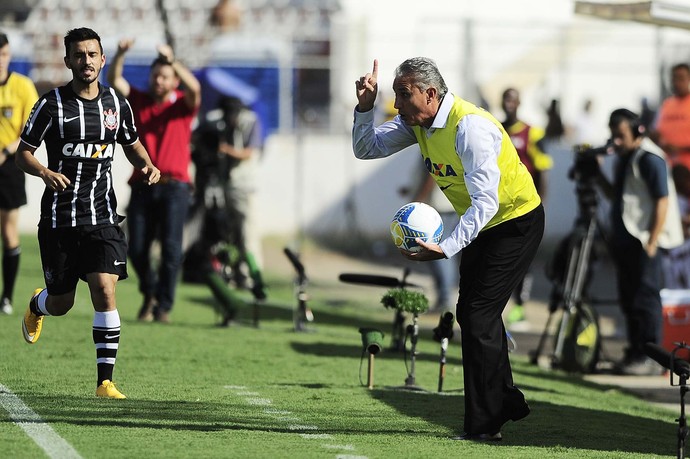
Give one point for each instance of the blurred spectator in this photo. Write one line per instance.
(164, 117)
(527, 141)
(554, 126)
(681, 179)
(671, 129)
(227, 151)
(226, 16)
(647, 114)
(585, 129)
(17, 97)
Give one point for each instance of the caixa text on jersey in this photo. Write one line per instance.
(88, 150)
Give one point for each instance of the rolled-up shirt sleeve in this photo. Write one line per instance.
(369, 142)
(478, 144)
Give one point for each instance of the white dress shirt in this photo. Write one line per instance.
(477, 144)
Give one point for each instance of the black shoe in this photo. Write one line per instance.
(146, 310)
(479, 437)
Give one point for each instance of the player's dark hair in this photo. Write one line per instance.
(425, 74)
(81, 34)
(3, 40)
(632, 118)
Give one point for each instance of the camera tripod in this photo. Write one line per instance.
(577, 340)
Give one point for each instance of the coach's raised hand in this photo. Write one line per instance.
(367, 88)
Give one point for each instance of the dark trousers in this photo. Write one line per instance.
(157, 211)
(639, 284)
(490, 268)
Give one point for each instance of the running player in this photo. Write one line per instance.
(78, 231)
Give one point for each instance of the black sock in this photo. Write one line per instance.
(106, 337)
(10, 267)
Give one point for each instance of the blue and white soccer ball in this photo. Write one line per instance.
(416, 220)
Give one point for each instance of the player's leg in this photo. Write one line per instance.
(10, 256)
(60, 264)
(173, 213)
(106, 331)
(12, 197)
(102, 253)
(141, 229)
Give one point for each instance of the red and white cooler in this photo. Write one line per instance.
(676, 320)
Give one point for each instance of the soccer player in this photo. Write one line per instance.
(17, 96)
(501, 221)
(78, 230)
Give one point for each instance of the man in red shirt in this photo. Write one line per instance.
(164, 118)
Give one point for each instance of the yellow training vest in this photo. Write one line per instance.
(17, 98)
(517, 194)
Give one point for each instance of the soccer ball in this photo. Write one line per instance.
(416, 220)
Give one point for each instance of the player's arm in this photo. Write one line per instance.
(657, 224)
(26, 161)
(139, 158)
(116, 67)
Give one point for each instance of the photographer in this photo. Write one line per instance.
(644, 216)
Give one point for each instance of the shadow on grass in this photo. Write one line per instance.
(149, 414)
(548, 426)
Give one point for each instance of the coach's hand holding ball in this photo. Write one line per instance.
(367, 89)
(416, 229)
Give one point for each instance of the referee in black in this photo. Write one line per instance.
(78, 231)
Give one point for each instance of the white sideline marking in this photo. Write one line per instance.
(343, 447)
(308, 436)
(259, 401)
(302, 427)
(40, 432)
(273, 411)
(283, 416)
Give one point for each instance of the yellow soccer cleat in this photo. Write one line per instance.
(32, 324)
(107, 389)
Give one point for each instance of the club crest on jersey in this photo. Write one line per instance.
(438, 169)
(110, 119)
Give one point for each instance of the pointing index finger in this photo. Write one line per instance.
(375, 71)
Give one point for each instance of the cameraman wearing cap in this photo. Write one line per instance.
(644, 217)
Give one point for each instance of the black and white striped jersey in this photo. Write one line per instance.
(80, 137)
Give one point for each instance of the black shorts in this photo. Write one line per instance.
(12, 191)
(69, 254)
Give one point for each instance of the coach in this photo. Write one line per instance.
(472, 160)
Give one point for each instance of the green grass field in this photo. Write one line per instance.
(198, 390)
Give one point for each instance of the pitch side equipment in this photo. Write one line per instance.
(577, 341)
(398, 333)
(681, 368)
(302, 315)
